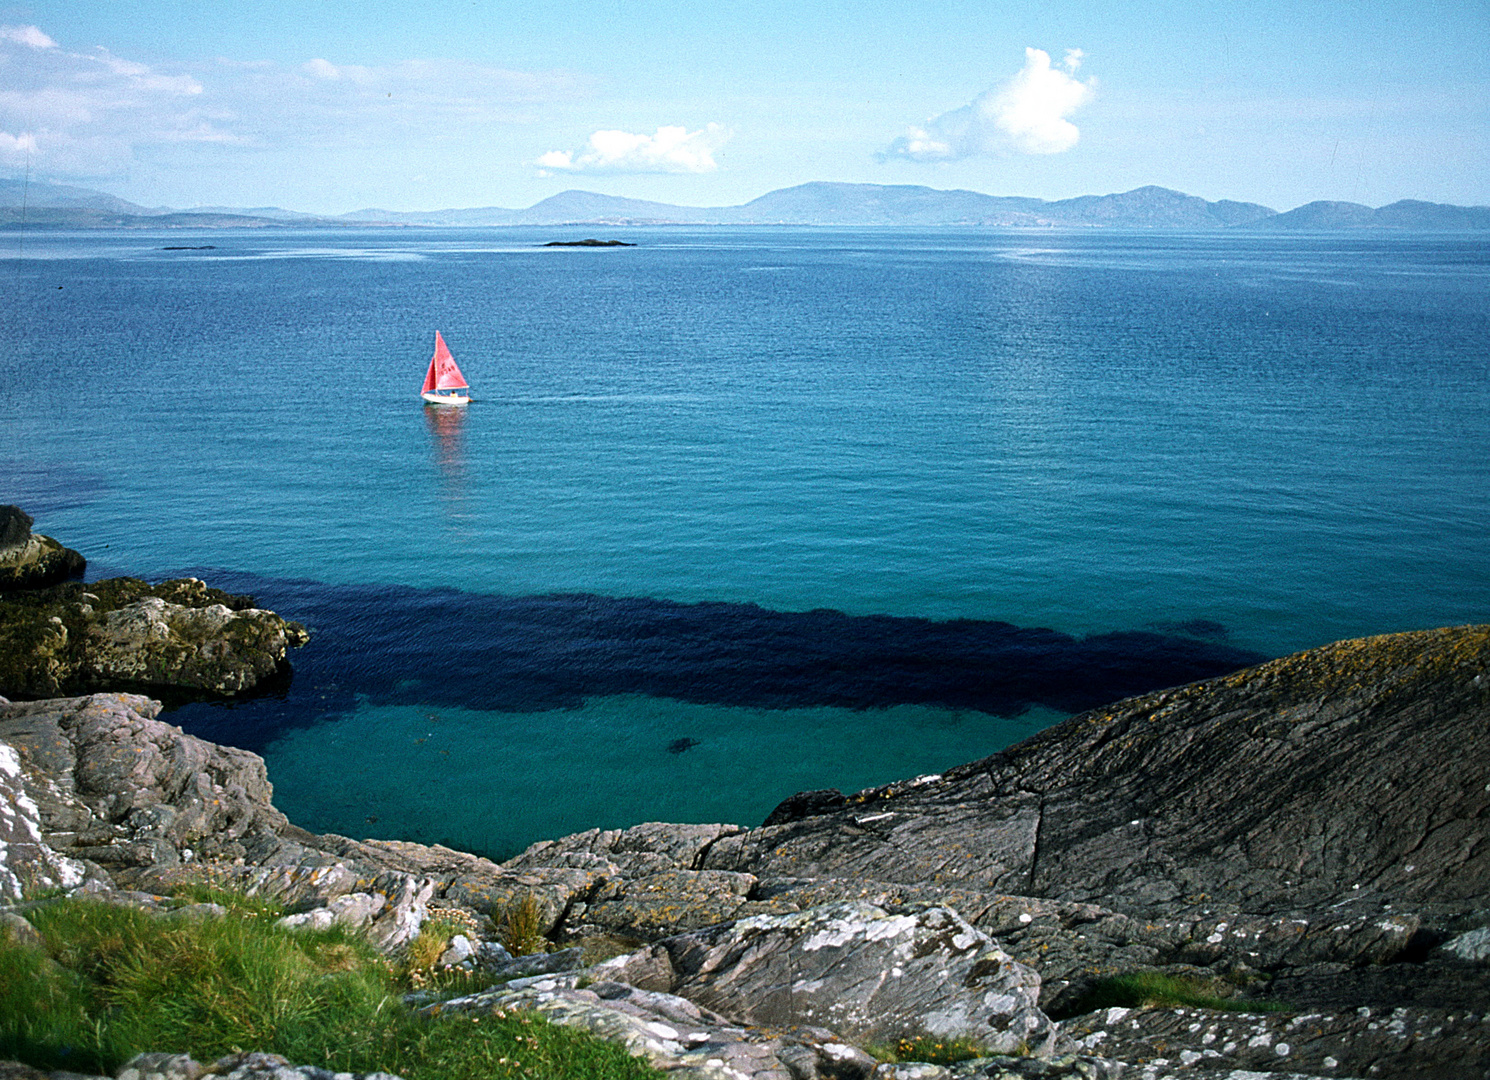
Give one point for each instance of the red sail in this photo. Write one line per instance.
(442, 374)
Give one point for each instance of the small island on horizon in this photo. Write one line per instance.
(588, 243)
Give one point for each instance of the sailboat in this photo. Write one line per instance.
(443, 376)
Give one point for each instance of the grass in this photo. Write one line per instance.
(930, 1051)
(1139, 988)
(520, 926)
(114, 981)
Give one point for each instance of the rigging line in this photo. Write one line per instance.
(21, 231)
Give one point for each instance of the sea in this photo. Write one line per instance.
(737, 513)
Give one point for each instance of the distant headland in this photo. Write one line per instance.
(39, 205)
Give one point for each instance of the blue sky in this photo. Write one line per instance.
(330, 107)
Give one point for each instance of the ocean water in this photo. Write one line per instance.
(736, 513)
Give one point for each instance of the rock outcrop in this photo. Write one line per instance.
(177, 636)
(868, 975)
(1358, 769)
(30, 561)
(1313, 833)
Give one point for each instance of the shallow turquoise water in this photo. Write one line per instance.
(1095, 432)
(453, 776)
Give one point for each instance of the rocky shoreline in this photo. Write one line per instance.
(1312, 833)
(59, 636)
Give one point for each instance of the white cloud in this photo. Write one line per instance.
(90, 114)
(329, 72)
(673, 149)
(16, 147)
(1027, 114)
(27, 35)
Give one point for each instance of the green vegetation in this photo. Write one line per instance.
(115, 981)
(520, 926)
(931, 1051)
(1138, 988)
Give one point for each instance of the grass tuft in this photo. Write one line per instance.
(930, 1051)
(520, 926)
(1136, 989)
(112, 982)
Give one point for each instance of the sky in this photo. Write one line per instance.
(331, 107)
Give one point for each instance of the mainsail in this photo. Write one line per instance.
(443, 373)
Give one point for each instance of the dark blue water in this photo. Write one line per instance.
(737, 513)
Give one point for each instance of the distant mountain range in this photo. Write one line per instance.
(42, 205)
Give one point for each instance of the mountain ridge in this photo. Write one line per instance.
(41, 204)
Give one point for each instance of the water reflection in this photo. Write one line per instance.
(445, 426)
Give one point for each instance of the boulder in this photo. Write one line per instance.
(672, 1033)
(871, 975)
(212, 648)
(119, 788)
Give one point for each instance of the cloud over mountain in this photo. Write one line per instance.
(673, 149)
(1027, 114)
(90, 113)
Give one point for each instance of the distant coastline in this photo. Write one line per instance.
(44, 206)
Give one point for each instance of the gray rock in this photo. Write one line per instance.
(158, 1066)
(871, 975)
(491, 954)
(1062, 1067)
(1473, 946)
(457, 952)
(122, 789)
(246, 1066)
(15, 528)
(27, 863)
(672, 1033)
(1427, 1044)
(352, 910)
(398, 903)
(122, 792)
(537, 964)
(17, 931)
(1292, 784)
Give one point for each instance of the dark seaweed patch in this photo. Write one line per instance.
(402, 645)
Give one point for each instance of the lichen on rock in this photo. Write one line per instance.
(124, 633)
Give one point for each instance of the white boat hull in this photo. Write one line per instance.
(433, 398)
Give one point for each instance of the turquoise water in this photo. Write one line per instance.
(1244, 443)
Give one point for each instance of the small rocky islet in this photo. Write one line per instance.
(1312, 833)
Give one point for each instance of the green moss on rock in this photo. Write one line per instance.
(127, 633)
